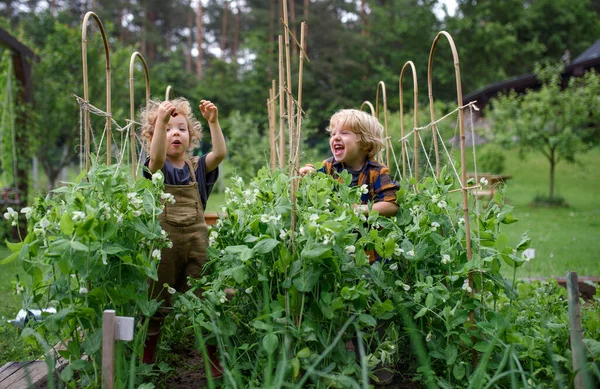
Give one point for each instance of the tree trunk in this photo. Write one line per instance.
(552, 168)
(199, 39)
(363, 17)
(236, 33)
(123, 22)
(224, 29)
(188, 48)
(292, 23)
(144, 29)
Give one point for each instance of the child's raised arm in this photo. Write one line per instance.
(219, 149)
(158, 145)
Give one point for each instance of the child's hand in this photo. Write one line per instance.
(209, 111)
(304, 170)
(165, 111)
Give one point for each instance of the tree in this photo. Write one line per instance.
(558, 123)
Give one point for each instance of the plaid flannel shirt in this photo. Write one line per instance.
(375, 175)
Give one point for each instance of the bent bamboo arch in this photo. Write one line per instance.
(86, 89)
(132, 107)
(463, 179)
(415, 119)
(388, 143)
(368, 104)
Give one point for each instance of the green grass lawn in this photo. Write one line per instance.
(564, 239)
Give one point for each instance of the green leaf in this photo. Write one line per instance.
(9, 259)
(14, 247)
(422, 312)
(367, 319)
(458, 371)
(78, 246)
(270, 343)
(524, 242)
(307, 279)
(316, 252)
(304, 353)
(260, 325)
(295, 363)
(67, 226)
(266, 245)
(239, 274)
(501, 242)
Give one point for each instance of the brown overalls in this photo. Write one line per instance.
(185, 226)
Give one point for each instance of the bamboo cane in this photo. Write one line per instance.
(169, 93)
(132, 107)
(368, 104)
(415, 120)
(459, 98)
(289, 95)
(86, 89)
(271, 112)
(281, 107)
(578, 357)
(388, 144)
(299, 114)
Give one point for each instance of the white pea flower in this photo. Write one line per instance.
(350, 249)
(364, 189)
(136, 213)
(178, 316)
(411, 253)
(249, 290)
(301, 230)
(170, 244)
(435, 226)
(83, 290)
(28, 211)
(156, 254)
(398, 251)
(157, 178)
(483, 181)
(428, 337)
(223, 299)
(213, 237)
(406, 287)
(435, 197)
(327, 202)
(461, 221)
(466, 286)
(163, 233)
(264, 218)
(168, 197)
(442, 204)
(78, 215)
(394, 266)
(19, 288)
(314, 217)
(171, 290)
(44, 223)
(11, 214)
(446, 259)
(224, 209)
(282, 234)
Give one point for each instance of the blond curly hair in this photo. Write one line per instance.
(148, 116)
(367, 127)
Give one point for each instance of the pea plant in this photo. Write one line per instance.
(91, 245)
(307, 297)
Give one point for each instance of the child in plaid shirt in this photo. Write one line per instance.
(355, 140)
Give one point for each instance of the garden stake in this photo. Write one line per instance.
(415, 120)
(86, 89)
(281, 107)
(108, 348)
(388, 144)
(288, 68)
(462, 151)
(132, 108)
(582, 380)
(271, 112)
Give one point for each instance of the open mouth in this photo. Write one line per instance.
(338, 149)
(176, 142)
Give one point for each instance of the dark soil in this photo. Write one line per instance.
(189, 373)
